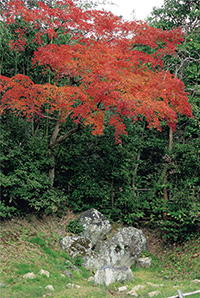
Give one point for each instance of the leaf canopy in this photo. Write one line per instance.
(110, 68)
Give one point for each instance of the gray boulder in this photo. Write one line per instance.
(81, 246)
(96, 226)
(124, 248)
(76, 245)
(108, 274)
(93, 261)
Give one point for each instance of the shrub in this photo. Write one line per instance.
(75, 227)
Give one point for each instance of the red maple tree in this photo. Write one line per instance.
(112, 69)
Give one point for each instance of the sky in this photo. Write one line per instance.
(124, 8)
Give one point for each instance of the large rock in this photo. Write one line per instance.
(96, 226)
(93, 261)
(108, 274)
(124, 247)
(76, 246)
(81, 246)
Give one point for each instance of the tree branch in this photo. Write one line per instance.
(69, 133)
(53, 141)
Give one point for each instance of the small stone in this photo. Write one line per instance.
(1, 285)
(44, 272)
(195, 281)
(68, 273)
(69, 285)
(166, 277)
(143, 262)
(155, 293)
(29, 275)
(154, 285)
(133, 293)
(50, 288)
(72, 266)
(62, 275)
(91, 278)
(122, 289)
(138, 287)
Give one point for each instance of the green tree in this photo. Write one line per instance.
(182, 163)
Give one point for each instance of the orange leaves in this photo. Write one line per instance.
(22, 80)
(112, 67)
(21, 95)
(60, 60)
(120, 127)
(64, 15)
(62, 99)
(96, 121)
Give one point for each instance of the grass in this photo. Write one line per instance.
(30, 244)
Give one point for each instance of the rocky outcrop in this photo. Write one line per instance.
(96, 226)
(76, 246)
(124, 247)
(82, 246)
(106, 275)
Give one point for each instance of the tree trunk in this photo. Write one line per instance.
(170, 138)
(52, 145)
(52, 166)
(138, 158)
(165, 194)
(54, 141)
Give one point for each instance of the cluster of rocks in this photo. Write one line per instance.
(31, 275)
(135, 289)
(110, 256)
(118, 274)
(106, 275)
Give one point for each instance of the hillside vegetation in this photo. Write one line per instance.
(31, 244)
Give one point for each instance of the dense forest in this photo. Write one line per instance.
(73, 135)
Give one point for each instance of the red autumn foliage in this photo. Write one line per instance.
(114, 69)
